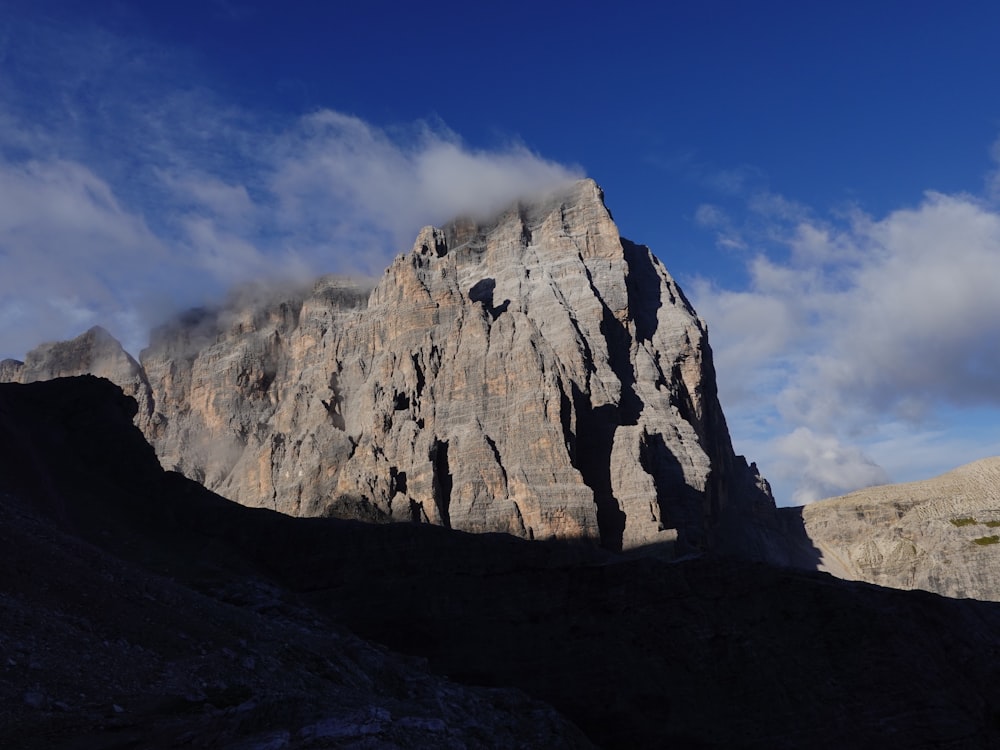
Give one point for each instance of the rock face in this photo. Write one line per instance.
(535, 374)
(940, 535)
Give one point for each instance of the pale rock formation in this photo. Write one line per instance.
(96, 352)
(535, 374)
(940, 534)
(11, 370)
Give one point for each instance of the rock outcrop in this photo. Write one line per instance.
(536, 374)
(95, 352)
(940, 534)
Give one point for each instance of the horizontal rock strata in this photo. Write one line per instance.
(940, 534)
(535, 374)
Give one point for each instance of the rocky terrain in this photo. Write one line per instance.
(534, 374)
(141, 610)
(940, 535)
(119, 628)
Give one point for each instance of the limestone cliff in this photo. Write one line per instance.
(535, 374)
(940, 535)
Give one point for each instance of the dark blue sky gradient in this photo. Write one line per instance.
(860, 102)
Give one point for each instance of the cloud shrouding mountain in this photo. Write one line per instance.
(126, 194)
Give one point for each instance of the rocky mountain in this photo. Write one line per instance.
(534, 374)
(95, 352)
(940, 535)
(141, 610)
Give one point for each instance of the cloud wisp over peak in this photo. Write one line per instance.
(140, 194)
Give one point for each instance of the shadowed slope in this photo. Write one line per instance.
(637, 651)
(122, 624)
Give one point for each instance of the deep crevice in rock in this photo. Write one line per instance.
(620, 358)
(442, 482)
(397, 481)
(334, 406)
(642, 283)
(680, 506)
(482, 291)
(619, 343)
(566, 420)
(417, 514)
(496, 455)
(419, 375)
(595, 436)
(525, 531)
(681, 398)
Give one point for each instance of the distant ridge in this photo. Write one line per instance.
(938, 534)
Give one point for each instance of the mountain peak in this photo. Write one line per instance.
(94, 352)
(532, 373)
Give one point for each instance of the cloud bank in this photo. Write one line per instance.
(855, 334)
(126, 193)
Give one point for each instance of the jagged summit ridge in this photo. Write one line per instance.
(534, 374)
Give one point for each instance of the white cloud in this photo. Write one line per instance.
(772, 205)
(63, 201)
(748, 330)
(128, 190)
(70, 253)
(920, 321)
(339, 178)
(708, 215)
(713, 217)
(330, 193)
(209, 195)
(822, 466)
(855, 333)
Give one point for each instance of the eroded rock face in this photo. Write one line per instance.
(536, 374)
(940, 535)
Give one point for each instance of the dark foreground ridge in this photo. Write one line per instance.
(141, 610)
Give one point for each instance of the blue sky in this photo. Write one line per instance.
(822, 179)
